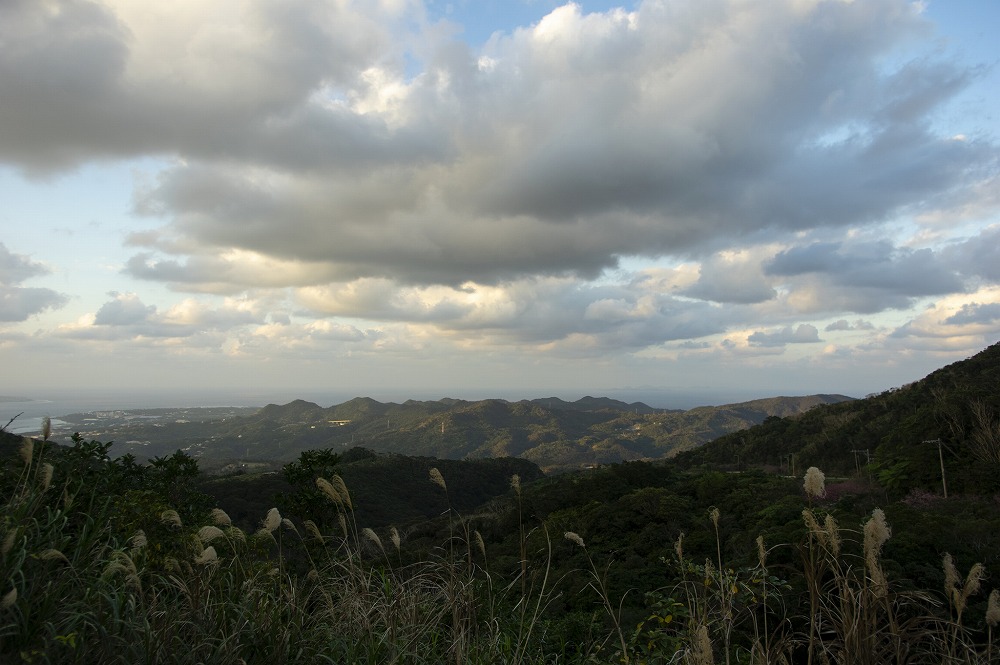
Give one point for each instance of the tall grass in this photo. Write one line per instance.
(82, 585)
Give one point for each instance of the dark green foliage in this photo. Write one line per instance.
(305, 500)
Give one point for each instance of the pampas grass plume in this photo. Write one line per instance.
(701, 649)
(973, 581)
(951, 576)
(993, 608)
(438, 479)
(138, 541)
(52, 555)
(9, 598)
(832, 534)
(170, 517)
(47, 471)
(220, 518)
(324, 486)
(814, 483)
(479, 542)
(394, 537)
(515, 483)
(27, 449)
(372, 536)
(341, 487)
(312, 529)
(46, 428)
(575, 538)
(877, 532)
(207, 534)
(207, 556)
(273, 520)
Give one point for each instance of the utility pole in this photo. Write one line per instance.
(868, 458)
(944, 482)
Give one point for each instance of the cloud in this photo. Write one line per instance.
(15, 268)
(557, 314)
(732, 277)
(976, 313)
(126, 317)
(322, 143)
(979, 256)
(126, 309)
(803, 334)
(19, 303)
(862, 275)
(843, 324)
(963, 321)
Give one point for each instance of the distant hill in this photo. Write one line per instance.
(675, 432)
(553, 433)
(593, 404)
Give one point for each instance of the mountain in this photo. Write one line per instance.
(593, 404)
(555, 434)
(950, 419)
(684, 430)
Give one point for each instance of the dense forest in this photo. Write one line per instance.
(864, 531)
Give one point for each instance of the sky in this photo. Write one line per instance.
(497, 197)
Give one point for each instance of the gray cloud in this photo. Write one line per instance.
(844, 324)
(19, 303)
(803, 334)
(15, 268)
(975, 313)
(732, 281)
(554, 150)
(198, 80)
(126, 309)
(865, 276)
(978, 257)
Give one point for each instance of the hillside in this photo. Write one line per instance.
(553, 433)
(898, 431)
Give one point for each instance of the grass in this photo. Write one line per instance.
(82, 585)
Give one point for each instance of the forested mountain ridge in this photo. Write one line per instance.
(553, 433)
(565, 436)
(898, 431)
